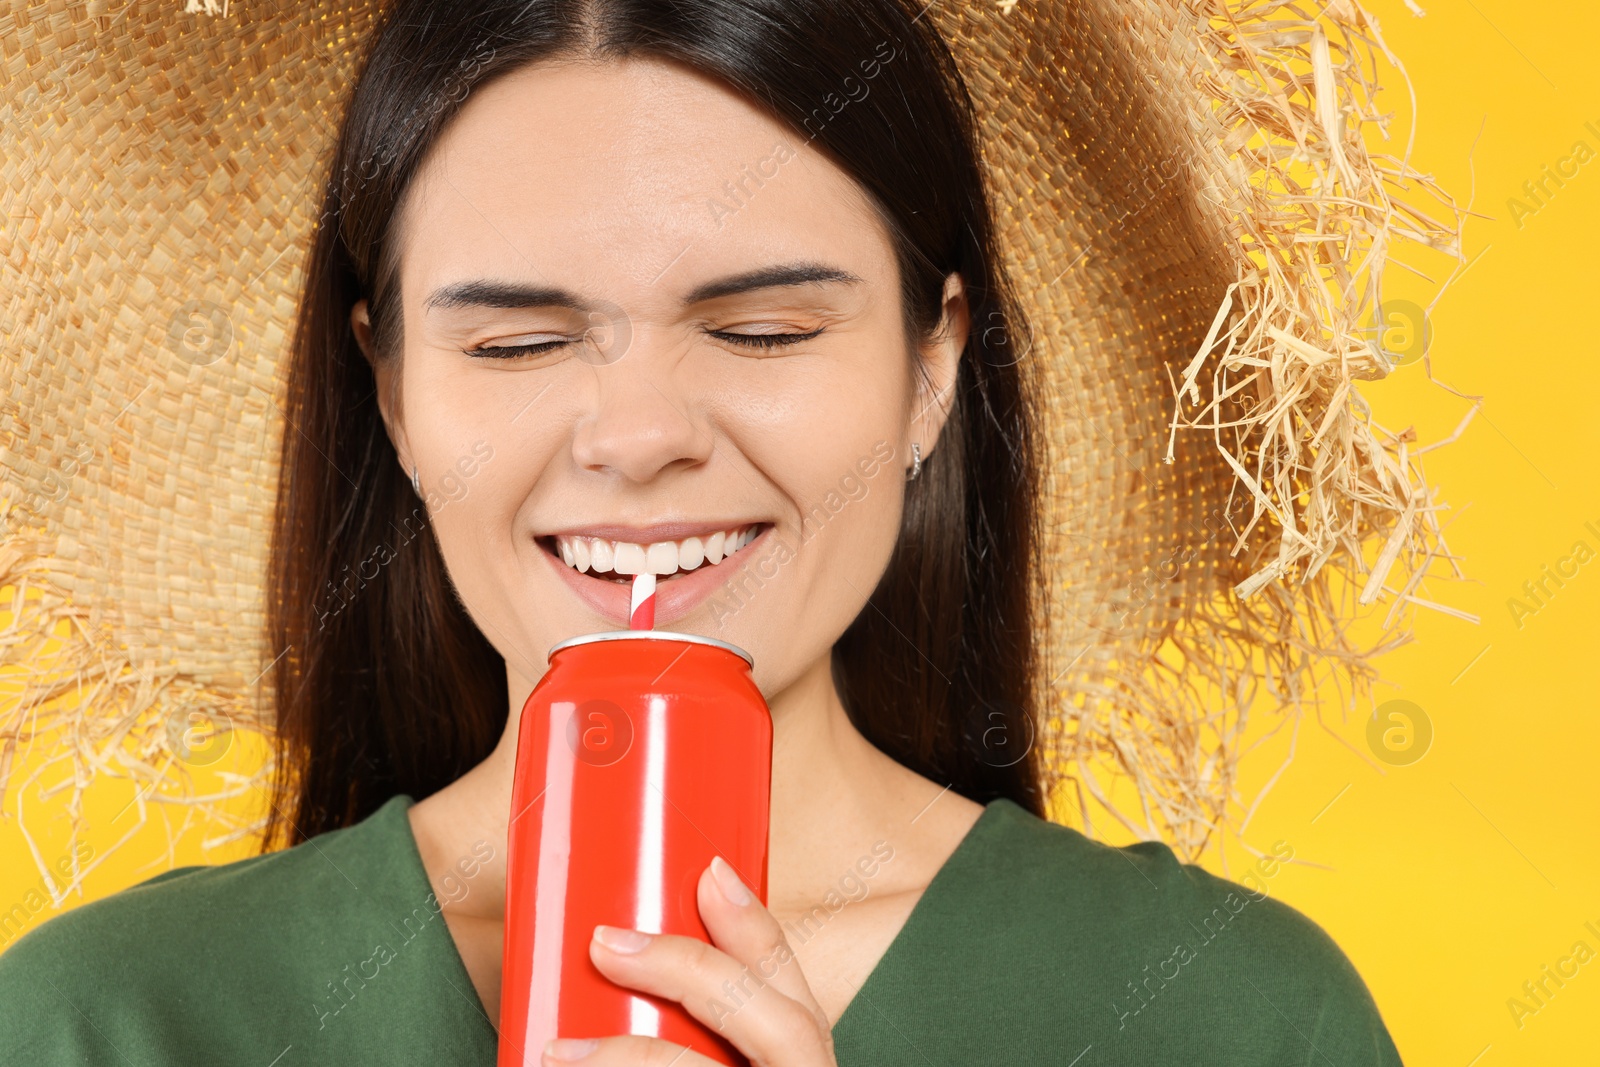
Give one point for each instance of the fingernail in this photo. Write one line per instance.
(570, 1048)
(621, 939)
(729, 883)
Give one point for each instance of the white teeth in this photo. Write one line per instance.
(690, 554)
(661, 558)
(629, 558)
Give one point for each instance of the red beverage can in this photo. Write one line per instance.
(641, 754)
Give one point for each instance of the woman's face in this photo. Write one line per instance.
(647, 327)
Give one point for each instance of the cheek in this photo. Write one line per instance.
(851, 520)
(828, 437)
(495, 569)
(844, 533)
(808, 420)
(480, 438)
(821, 431)
(481, 442)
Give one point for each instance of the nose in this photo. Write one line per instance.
(643, 422)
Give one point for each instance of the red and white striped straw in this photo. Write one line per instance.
(642, 614)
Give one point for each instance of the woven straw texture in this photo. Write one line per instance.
(1192, 215)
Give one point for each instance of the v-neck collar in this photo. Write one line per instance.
(903, 943)
(460, 980)
(911, 931)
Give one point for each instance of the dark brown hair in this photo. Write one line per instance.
(387, 686)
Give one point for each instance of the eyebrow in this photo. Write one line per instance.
(771, 278)
(487, 294)
(492, 294)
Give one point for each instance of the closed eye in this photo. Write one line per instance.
(748, 340)
(537, 348)
(764, 340)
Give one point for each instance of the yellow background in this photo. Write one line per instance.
(1452, 881)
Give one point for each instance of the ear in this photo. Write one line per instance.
(386, 375)
(941, 358)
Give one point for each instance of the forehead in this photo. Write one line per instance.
(635, 173)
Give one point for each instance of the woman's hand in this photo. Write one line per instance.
(748, 987)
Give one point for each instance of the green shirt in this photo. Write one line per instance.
(1032, 945)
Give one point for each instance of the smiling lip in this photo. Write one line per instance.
(677, 593)
(661, 531)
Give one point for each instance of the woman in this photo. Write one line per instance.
(689, 286)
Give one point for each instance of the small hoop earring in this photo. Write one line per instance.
(416, 484)
(916, 463)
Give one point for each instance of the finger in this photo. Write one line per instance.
(621, 1051)
(713, 987)
(741, 926)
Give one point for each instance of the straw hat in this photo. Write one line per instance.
(1188, 205)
